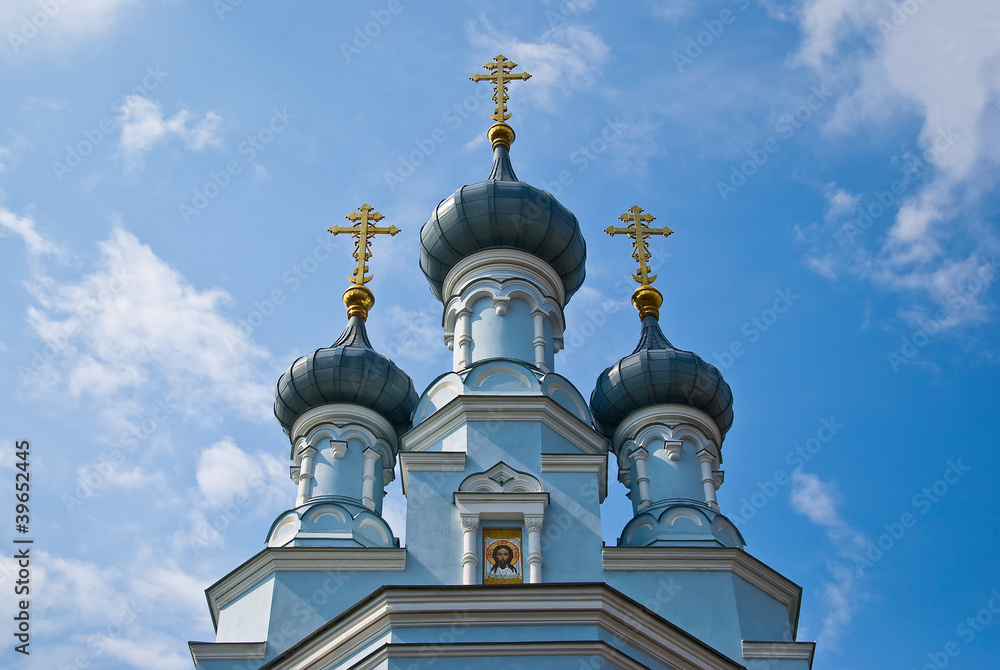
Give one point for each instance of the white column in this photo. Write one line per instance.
(470, 558)
(305, 473)
(539, 341)
(463, 340)
(368, 479)
(641, 476)
(707, 460)
(533, 524)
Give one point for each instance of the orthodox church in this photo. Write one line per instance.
(504, 466)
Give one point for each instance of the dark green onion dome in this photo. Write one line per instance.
(658, 374)
(498, 213)
(349, 371)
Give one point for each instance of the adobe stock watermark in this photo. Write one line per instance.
(785, 127)
(967, 630)
(796, 458)
(453, 118)
(94, 477)
(363, 35)
(755, 327)
(910, 345)
(885, 201)
(40, 359)
(94, 136)
(585, 155)
(901, 14)
(34, 23)
(218, 181)
(714, 28)
(264, 308)
(923, 502)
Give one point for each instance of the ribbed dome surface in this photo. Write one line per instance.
(502, 212)
(349, 371)
(656, 374)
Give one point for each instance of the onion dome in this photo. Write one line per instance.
(498, 213)
(656, 373)
(349, 371)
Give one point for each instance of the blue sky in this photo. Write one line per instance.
(168, 170)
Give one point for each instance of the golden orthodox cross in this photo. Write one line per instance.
(639, 231)
(501, 69)
(362, 230)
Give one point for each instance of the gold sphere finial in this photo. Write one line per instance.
(647, 299)
(358, 299)
(501, 135)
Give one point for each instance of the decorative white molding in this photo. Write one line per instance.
(429, 461)
(582, 463)
(610, 657)
(669, 415)
(342, 417)
(339, 448)
(501, 263)
(499, 409)
(488, 505)
(708, 559)
(673, 449)
(501, 478)
(501, 304)
(227, 651)
(596, 608)
(299, 559)
(779, 651)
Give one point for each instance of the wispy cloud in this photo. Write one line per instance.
(819, 501)
(566, 58)
(134, 327)
(937, 61)
(226, 472)
(144, 127)
(24, 227)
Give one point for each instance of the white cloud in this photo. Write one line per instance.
(18, 141)
(154, 652)
(940, 62)
(819, 501)
(565, 59)
(144, 126)
(28, 25)
(24, 227)
(815, 499)
(226, 472)
(416, 334)
(135, 326)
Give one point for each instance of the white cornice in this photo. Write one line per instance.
(608, 654)
(227, 651)
(670, 415)
(503, 408)
(779, 651)
(708, 559)
(595, 463)
(531, 606)
(493, 263)
(429, 461)
(300, 559)
(497, 505)
(341, 414)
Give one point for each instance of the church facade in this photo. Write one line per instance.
(504, 466)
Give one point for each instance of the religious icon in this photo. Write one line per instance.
(502, 562)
